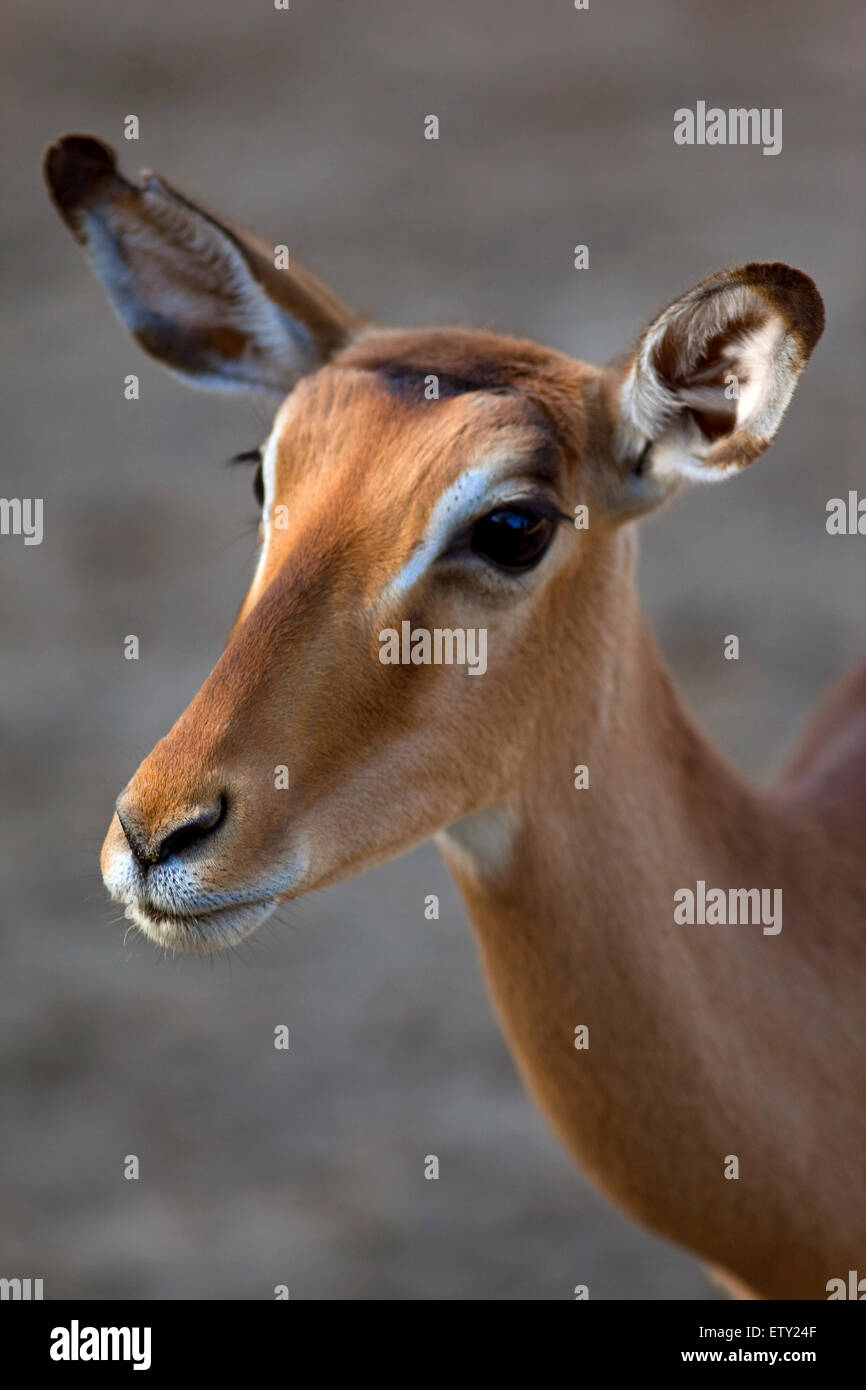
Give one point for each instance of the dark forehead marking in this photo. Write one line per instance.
(461, 361)
(409, 383)
(412, 382)
(542, 386)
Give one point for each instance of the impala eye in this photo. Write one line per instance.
(514, 538)
(259, 486)
(253, 456)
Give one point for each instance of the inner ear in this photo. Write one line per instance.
(705, 390)
(207, 301)
(703, 375)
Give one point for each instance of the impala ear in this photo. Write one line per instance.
(705, 390)
(206, 301)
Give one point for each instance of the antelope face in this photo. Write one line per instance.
(418, 545)
(323, 741)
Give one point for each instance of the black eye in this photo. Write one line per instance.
(515, 538)
(259, 486)
(253, 456)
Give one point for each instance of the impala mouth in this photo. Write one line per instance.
(201, 931)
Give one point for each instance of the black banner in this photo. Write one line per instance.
(82, 1339)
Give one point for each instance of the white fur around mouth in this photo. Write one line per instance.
(211, 929)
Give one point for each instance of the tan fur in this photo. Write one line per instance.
(704, 1042)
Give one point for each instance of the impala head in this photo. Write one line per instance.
(428, 478)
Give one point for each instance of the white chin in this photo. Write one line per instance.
(198, 935)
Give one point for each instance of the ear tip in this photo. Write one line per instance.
(796, 292)
(76, 165)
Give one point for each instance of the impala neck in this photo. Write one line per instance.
(572, 895)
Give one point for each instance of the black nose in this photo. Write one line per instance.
(155, 846)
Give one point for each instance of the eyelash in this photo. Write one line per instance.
(253, 456)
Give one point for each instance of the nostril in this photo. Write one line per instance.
(192, 830)
(156, 848)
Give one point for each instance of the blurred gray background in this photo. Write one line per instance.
(306, 1168)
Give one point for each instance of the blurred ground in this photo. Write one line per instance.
(306, 1168)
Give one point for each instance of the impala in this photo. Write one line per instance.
(434, 477)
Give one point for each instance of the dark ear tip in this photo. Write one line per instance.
(75, 166)
(794, 289)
